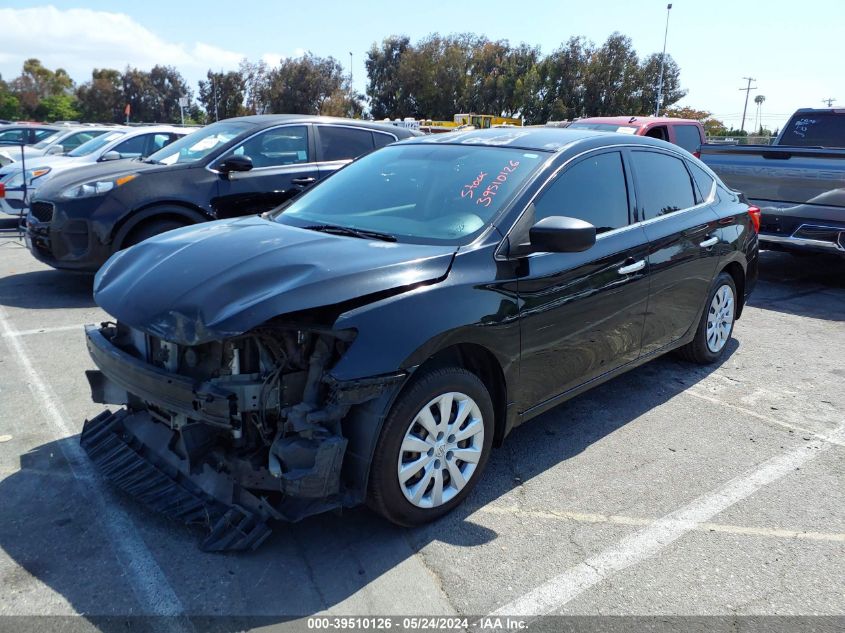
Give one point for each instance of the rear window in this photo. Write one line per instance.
(815, 129)
(688, 137)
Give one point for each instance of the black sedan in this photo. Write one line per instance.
(227, 169)
(372, 339)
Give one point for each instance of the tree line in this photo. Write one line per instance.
(434, 78)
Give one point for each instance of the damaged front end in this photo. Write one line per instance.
(227, 434)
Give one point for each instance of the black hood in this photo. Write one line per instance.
(220, 279)
(86, 173)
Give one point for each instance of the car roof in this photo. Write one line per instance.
(147, 129)
(635, 120)
(269, 120)
(547, 139)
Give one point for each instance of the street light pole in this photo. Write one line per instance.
(662, 63)
(350, 68)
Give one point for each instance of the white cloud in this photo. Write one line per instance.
(79, 40)
(272, 59)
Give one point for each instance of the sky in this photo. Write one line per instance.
(787, 47)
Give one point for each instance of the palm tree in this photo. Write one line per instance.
(759, 99)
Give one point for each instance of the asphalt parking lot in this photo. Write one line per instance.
(674, 490)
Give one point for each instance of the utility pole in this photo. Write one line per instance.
(350, 68)
(748, 90)
(829, 101)
(662, 61)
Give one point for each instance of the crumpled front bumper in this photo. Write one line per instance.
(132, 451)
(231, 495)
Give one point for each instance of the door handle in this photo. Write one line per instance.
(709, 242)
(303, 181)
(632, 268)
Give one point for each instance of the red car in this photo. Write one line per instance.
(686, 133)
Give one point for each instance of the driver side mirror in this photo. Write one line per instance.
(560, 234)
(55, 150)
(234, 163)
(112, 155)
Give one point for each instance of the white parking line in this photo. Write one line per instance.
(615, 519)
(826, 437)
(42, 330)
(146, 578)
(555, 593)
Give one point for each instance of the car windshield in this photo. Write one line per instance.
(46, 141)
(197, 145)
(423, 193)
(96, 143)
(604, 127)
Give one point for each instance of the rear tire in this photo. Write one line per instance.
(716, 326)
(150, 229)
(418, 474)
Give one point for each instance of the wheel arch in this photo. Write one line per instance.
(482, 362)
(737, 273)
(161, 210)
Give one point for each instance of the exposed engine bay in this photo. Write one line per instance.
(227, 434)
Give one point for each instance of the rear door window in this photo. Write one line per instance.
(663, 184)
(688, 137)
(343, 143)
(592, 190)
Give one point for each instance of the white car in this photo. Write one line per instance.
(61, 141)
(116, 144)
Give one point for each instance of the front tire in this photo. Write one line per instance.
(716, 325)
(433, 447)
(150, 229)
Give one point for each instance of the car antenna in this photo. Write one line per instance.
(632, 119)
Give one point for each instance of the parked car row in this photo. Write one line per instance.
(104, 145)
(389, 310)
(235, 167)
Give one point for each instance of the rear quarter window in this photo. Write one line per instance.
(703, 181)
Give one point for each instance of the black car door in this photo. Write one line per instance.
(682, 231)
(282, 166)
(337, 145)
(582, 314)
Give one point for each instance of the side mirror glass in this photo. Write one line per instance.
(112, 155)
(234, 163)
(560, 234)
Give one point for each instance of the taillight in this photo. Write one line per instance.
(754, 214)
(2, 190)
(697, 154)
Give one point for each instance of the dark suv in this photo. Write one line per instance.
(235, 167)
